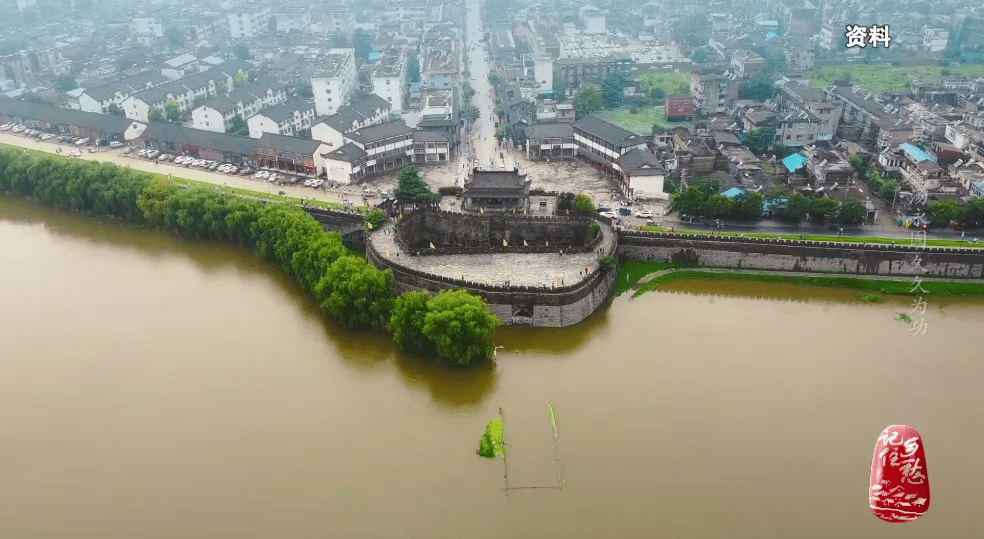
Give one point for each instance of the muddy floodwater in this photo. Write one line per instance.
(156, 387)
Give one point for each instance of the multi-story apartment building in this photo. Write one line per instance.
(249, 21)
(603, 143)
(184, 91)
(796, 98)
(332, 129)
(712, 92)
(746, 64)
(334, 81)
(578, 71)
(181, 66)
(99, 98)
(934, 40)
(439, 63)
(389, 77)
(292, 19)
(800, 58)
(146, 30)
(370, 150)
(796, 129)
(245, 102)
(291, 118)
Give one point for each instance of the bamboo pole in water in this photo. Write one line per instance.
(505, 464)
(553, 421)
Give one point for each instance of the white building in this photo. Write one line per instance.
(184, 91)
(249, 22)
(370, 150)
(217, 114)
(182, 66)
(334, 82)
(289, 118)
(594, 20)
(389, 77)
(147, 29)
(332, 129)
(934, 39)
(99, 98)
(543, 72)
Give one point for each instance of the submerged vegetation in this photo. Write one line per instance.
(356, 294)
(872, 298)
(492, 444)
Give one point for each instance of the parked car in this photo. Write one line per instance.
(76, 153)
(602, 208)
(246, 171)
(82, 142)
(273, 177)
(319, 183)
(5, 127)
(262, 175)
(645, 214)
(309, 183)
(127, 150)
(47, 136)
(102, 142)
(17, 128)
(610, 214)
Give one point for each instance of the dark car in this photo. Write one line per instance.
(601, 209)
(625, 210)
(102, 142)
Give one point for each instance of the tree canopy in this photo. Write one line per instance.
(242, 52)
(406, 323)
(66, 83)
(559, 89)
(413, 70)
(851, 211)
(583, 203)
(154, 114)
(172, 111)
(362, 42)
(613, 89)
(461, 326)
(588, 100)
(411, 185)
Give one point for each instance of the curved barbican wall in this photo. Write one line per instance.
(455, 233)
(546, 306)
(800, 255)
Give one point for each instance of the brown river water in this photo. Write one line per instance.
(156, 387)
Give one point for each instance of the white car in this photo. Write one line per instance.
(647, 214)
(82, 142)
(319, 183)
(610, 214)
(116, 144)
(5, 127)
(273, 177)
(47, 136)
(309, 183)
(17, 128)
(262, 174)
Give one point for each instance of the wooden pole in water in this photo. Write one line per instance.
(553, 421)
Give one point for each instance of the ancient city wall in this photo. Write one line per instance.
(796, 255)
(463, 233)
(539, 306)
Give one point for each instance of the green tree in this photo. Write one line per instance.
(594, 229)
(565, 201)
(759, 139)
(657, 129)
(199, 101)
(494, 78)
(461, 326)
(66, 83)
(222, 87)
(972, 214)
(470, 112)
(172, 110)
(717, 206)
(606, 263)
(154, 114)
(761, 86)
(688, 201)
(941, 212)
(583, 204)
(797, 206)
(239, 79)
(362, 42)
(613, 89)
(857, 162)
(406, 323)
(851, 212)
(413, 70)
(559, 89)
(749, 206)
(375, 218)
(251, 76)
(174, 35)
(114, 109)
(151, 200)
(304, 90)
(237, 125)
(242, 52)
(356, 294)
(588, 100)
(411, 185)
(782, 151)
(822, 208)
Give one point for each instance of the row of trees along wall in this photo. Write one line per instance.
(457, 326)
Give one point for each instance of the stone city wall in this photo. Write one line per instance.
(545, 306)
(797, 255)
(462, 233)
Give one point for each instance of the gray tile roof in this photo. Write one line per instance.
(349, 153)
(639, 161)
(191, 82)
(286, 110)
(127, 85)
(347, 118)
(381, 131)
(429, 136)
(608, 132)
(551, 130)
(59, 116)
(196, 137)
(303, 146)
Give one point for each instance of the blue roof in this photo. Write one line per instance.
(775, 203)
(915, 153)
(771, 35)
(733, 192)
(794, 162)
(374, 56)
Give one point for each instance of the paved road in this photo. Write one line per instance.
(518, 269)
(115, 156)
(660, 273)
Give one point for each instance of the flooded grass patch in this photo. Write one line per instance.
(879, 286)
(630, 271)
